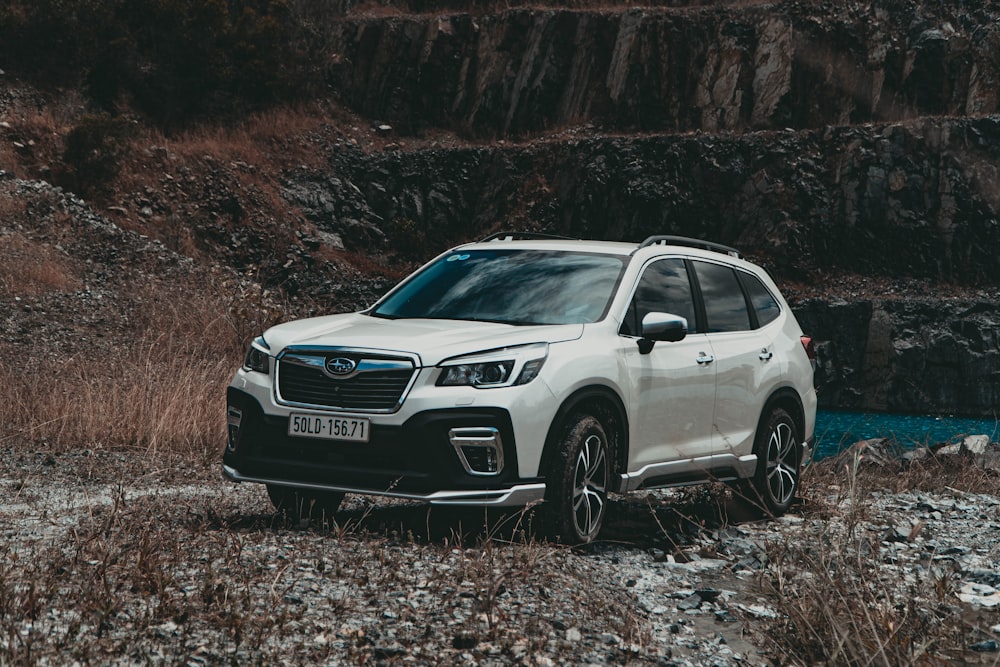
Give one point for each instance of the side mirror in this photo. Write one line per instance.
(661, 327)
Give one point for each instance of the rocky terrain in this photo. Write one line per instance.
(169, 567)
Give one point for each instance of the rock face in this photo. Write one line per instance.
(915, 200)
(936, 355)
(728, 67)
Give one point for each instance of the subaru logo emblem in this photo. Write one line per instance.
(340, 365)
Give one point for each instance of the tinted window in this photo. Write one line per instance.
(725, 306)
(510, 286)
(663, 288)
(762, 301)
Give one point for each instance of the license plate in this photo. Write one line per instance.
(350, 429)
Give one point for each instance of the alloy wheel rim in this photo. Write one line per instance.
(590, 486)
(781, 469)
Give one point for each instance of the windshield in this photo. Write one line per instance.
(510, 286)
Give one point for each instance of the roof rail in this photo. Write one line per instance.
(522, 236)
(690, 243)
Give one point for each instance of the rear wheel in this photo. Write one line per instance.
(778, 451)
(577, 482)
(304, 503)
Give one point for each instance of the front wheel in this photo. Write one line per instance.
(299, 504)
(577, 482)
(778, 451)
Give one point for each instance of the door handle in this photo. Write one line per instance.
(704, 358)
(765, 355)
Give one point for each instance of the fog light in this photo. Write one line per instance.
(234, 416)
(480, 449)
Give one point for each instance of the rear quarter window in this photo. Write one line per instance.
(761, 299)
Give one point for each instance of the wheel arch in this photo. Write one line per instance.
(604, 404)
(789, 400)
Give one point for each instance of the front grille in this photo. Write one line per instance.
(302, 380)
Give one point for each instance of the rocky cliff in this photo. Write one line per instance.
(802, 202)
(937, 356)
(717, 68)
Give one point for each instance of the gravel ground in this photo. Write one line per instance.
(106, 562)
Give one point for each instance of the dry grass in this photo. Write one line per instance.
(277, 137)
(8, 157)
(884, 468)
(840, 608)
(842, 601)
(153, 398)
(32, 269)
(157, 388)
(33, 140)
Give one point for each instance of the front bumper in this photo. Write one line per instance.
(515, 496)
(416, 459)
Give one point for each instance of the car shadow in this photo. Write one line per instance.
(672, 520)
(664, 520)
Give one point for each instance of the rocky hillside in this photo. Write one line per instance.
(849, 147)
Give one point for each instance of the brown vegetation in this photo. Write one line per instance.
(159, 571)
(31, 269)
(158, 389)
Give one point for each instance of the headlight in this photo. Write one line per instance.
(498, 368)
(257, 358)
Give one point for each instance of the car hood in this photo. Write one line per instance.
(431, 340)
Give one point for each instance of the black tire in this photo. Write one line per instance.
(577, 481)
(297, 504)
(778, 448)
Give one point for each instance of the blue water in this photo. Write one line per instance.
(836, 430)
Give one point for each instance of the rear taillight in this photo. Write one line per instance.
(807, 343)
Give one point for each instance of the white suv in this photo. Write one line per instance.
(526, 368)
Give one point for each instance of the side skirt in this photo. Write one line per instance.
(721, 467)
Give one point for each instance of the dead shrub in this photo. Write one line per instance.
(840, 606)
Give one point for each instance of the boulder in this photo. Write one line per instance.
(978, 446)
(875, 452)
